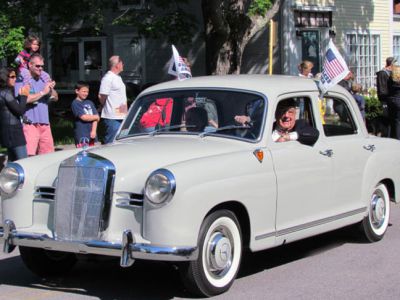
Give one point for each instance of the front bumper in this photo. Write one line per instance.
(127, 250)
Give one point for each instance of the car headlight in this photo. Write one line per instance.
(11, 178)
(160, 186)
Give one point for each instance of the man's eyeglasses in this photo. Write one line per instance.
(12, 76)
(39, 66)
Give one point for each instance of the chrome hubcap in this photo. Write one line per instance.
(219, 254)
(378, 210)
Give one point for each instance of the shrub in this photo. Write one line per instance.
(373, 107)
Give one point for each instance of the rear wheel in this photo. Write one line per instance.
(220, 251)
(47, 263)
(375, 224)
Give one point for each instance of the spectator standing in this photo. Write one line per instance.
(39, 139)
(31, 46)
(393, 101)
(356, 90)
(11, 110)
(305, 68)
(86, 116)
(382, 79)
(112, 97)
(347, 81)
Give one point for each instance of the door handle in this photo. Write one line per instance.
(369, 147)
(328, 152)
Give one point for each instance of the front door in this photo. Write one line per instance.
(304, 179)
(74, 59)
(310, 48)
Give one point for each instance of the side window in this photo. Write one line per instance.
(294, 121)
(337, 118)
(303, 109)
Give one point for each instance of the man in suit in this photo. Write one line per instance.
(382, 78)
(287, 128)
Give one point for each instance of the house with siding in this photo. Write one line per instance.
(360, 29)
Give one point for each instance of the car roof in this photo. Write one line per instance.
(270, 85)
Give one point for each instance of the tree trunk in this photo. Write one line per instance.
(228, 29)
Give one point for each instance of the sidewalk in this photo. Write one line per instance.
(3, 157)
(64, 147)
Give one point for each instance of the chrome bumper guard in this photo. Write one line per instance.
(128, 250)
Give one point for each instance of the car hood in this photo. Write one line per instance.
(135, 158)
(160, 151)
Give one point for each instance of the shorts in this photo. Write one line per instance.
(39, 139)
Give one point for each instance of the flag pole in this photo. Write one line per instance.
(271, 46)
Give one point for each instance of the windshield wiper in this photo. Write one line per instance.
(161, 129)
(224, 128)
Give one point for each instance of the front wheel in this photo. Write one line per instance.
(375, 224)
(220, 251)
(45, 263)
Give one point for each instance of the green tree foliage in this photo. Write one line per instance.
(229, 24)
(157, 18)
(229, 27)
(11, 38)
(161, 19)
(260, 7)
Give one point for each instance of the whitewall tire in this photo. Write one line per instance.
(374, 225)
(220, 252)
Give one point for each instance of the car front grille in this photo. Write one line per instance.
(82, 199)
(44, 193)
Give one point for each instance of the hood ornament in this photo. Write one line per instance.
(84, 144)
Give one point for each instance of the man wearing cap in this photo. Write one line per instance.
(287, 128)
(382, 78)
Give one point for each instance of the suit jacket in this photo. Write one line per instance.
(382, 87)
(307, 134)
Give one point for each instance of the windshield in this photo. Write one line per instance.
(204, 112)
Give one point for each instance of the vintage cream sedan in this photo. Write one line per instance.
(194, 177)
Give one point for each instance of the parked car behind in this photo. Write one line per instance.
(184, 182)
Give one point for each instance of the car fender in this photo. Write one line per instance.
(201, 185)
(379, 168)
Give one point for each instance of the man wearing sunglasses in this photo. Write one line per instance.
(39, 139)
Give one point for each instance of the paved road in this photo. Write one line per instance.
(331, 266)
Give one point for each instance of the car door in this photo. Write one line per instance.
(304, 178)
(349, 150)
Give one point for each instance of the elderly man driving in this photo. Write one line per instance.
(287, 128)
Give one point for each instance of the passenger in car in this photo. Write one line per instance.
(287, 128)
(196, 119)
(254, 113)
(158, 114)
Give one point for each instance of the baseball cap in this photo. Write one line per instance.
(390, 60)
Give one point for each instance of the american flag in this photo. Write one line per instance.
(178, 67)
(334, 69)
(332, 66)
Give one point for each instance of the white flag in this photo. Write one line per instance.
(333, 70)
(178, 67)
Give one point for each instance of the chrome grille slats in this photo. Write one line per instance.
(127, 199)
(82, 197)
(44, 193)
